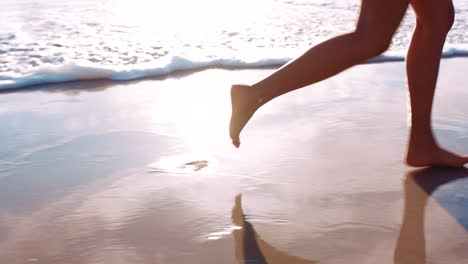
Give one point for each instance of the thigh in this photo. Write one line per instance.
(381, 17)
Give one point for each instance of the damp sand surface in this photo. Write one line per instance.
(144, 172)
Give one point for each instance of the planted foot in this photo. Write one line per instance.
(244, 102)
(434, 157)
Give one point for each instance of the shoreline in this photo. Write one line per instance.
(88, 72)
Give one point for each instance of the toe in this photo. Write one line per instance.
(464, 160)
(236, 142)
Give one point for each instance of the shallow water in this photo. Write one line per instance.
(143, 172)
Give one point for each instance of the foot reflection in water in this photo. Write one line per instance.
(419, 186)
(251, 249)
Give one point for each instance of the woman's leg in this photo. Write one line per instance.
(434, 20)
(377, 23)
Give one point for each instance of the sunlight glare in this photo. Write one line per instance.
(199, 110)
(184, 15)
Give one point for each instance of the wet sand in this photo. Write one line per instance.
(144, 172)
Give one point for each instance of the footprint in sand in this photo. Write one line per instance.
(195, 165)
(181, 164)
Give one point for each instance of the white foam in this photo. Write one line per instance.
(87, 70)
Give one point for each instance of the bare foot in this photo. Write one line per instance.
(244, 104)
(434, 156)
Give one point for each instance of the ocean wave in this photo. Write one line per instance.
(87, 70)
(7, 36)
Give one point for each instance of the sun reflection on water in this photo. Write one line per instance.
(179, 15)
(197, 110)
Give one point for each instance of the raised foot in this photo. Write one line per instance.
(244, 103)
(435, 157)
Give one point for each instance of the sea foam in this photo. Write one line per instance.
(88, 70)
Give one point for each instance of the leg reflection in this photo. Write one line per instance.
(419, 186)
(251, 249)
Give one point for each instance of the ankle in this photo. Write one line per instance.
(422, 145)
(422, 136)
(260, 94)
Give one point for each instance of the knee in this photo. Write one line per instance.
(439, 22)
(373, 43)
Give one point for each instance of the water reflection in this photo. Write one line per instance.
(250, 248)
(419, 187)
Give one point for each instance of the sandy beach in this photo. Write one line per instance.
(144, 172)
